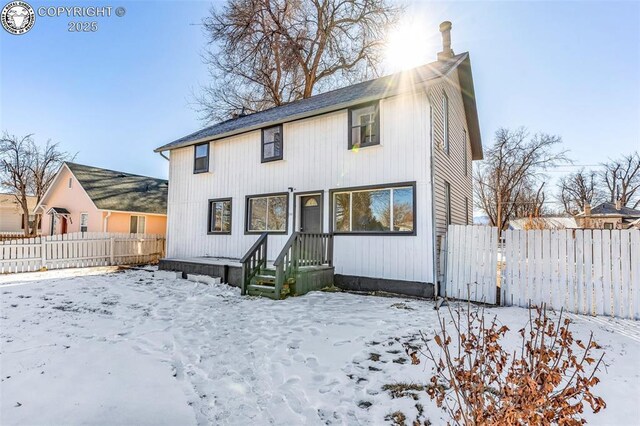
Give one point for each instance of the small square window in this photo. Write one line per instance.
(220, 216)
(272, 144)
(137, 225)
(201, 158)
(364, 126)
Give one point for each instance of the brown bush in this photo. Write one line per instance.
(477, 382)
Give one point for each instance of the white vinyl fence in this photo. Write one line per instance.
(472, 253)
(594, 272)
(78, 250)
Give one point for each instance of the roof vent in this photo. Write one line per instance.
(445, 29)
(121, 175)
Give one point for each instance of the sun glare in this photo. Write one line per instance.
(406, 46)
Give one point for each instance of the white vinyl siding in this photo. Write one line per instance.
(451, 167)
(317, 160)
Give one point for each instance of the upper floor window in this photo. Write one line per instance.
(201, 158)
(445, 121)
(137, 225)
(267, 213)
(364, 125)
(220, 216)
(379, 210)
(464, 149)
(272, 144)
(70, 182)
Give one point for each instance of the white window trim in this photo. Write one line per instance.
(138, 224)
(87, 225)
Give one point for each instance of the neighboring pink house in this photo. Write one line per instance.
(90, 199)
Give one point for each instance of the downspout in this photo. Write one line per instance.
(436, 292)
(163, 156)
(106, 221)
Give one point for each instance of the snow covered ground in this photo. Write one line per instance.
(140, 347)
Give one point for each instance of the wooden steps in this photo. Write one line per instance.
(263, 284)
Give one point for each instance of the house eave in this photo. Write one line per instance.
(131, 212)
(330, 109)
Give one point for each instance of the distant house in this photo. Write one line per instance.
(90, 199)
(607, 216)
(543, 223)
(12, 215)
(382, 167)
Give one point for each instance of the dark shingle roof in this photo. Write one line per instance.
(610, 209)
(112, 190)
(330, 101)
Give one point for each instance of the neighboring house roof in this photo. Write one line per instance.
(119, 191)
(9, 200)
(113, 190)
(349, 96)
(544, 223)
(609, 209)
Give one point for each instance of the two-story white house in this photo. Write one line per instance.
(375, 171)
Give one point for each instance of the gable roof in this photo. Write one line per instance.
(609, 209)
(345, 97)
(120, 191)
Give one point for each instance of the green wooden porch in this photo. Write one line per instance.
(304, 264)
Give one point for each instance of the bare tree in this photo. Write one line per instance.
(27, 169)
(579, 189)
(264, 53)
(511, 174)
(622, 178)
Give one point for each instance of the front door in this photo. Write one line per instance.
(63, 225)
(310, 214)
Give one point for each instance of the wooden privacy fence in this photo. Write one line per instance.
(471, 263)
(80, 249)
(594, 272)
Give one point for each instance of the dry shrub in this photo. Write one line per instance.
(477, 382)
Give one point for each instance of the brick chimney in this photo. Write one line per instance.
(618, 204)
(445, 29)
(587, 209)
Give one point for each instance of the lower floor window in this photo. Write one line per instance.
(267, 213)
(84, 222)
(387, 209)
(220, 216)
(137, 225)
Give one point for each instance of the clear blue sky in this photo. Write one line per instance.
(569, 68)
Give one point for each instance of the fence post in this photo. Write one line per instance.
(112, 254)
(43, 252)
